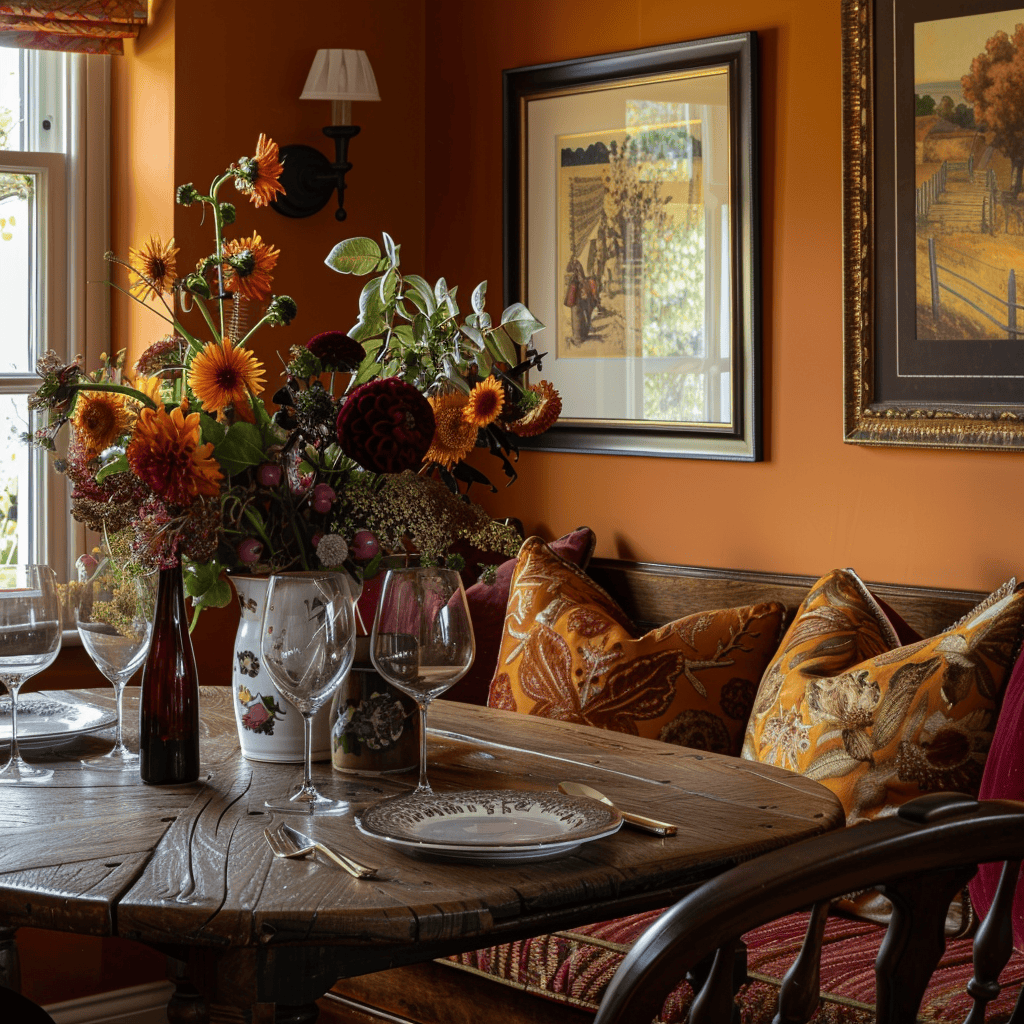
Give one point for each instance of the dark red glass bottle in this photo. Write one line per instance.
(169, 703)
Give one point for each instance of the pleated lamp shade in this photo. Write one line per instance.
(341, 75)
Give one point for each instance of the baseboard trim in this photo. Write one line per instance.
(141, 1004)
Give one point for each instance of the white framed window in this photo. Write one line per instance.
(54, 229)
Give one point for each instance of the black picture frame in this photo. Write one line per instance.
(917, 373)
(588, 80)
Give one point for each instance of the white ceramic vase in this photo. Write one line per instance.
(269, 727)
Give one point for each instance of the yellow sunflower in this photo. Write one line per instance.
(454, 437)
(542, 415)
(150, 387)
(222, 375)
(266, 185)
(485, 403)
(165, 454)
(100, 418)
(156, 264)
(253, 280)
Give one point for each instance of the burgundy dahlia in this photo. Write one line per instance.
(336, 351)
(386, 426)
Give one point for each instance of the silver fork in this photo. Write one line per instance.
(283, 846)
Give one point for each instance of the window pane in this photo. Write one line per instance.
(12, 135)
(18, 275)
(15, 459)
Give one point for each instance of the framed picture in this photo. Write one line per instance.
(631, 232)
(933, 146)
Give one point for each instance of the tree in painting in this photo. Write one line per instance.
(996, 88)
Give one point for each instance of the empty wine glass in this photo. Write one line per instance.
(422, 639)
(308, 641)
(114, 615)
(30, 633)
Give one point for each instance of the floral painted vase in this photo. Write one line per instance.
(269, 727)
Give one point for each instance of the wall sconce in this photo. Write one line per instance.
(309, 178)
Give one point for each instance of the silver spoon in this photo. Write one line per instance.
(659, 828)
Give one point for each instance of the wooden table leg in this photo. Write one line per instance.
(187, 1005)
(10, 965)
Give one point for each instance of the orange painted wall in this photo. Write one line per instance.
(927, 517)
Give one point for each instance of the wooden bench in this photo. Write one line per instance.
(651, 594)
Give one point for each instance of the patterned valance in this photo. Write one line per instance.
(79, 26)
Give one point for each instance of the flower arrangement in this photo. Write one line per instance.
(365, 454)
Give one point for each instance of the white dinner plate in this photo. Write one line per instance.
(44, 722)
(487, 826)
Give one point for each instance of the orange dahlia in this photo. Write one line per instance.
(485, 403)
(250, 276)
(166, 455)
(454, 436)
(541, 415)
(269, 168)
(222, 375)
(100, 418)
(156, 264)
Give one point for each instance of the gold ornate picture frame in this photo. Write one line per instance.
(933, 230)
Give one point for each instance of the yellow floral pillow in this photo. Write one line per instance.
(570, 652)
(876, 722)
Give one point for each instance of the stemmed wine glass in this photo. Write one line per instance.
(30, 633)
(307, 643)
(114, 614)
(422, 639)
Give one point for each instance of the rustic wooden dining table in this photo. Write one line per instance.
(186, 870)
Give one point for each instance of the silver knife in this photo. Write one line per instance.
(353, 867)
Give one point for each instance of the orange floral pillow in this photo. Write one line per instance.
(570, 652)
(876, 722)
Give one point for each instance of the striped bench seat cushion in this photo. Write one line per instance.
(574, 967)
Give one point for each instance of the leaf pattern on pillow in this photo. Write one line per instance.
(569, 652)
(879, 725)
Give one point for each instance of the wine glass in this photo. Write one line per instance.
(30, 633)
(308, 642)
(422, 639)
(114, 614)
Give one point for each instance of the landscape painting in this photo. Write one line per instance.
(969, 156)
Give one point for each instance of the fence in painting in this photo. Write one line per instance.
(957, 198)
(939, 275)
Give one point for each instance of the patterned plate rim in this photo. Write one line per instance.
(612, 820)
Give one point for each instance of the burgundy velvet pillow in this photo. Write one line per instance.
(1003, 779)
(487, 610)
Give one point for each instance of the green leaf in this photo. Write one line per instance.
(452, 373)
(405, 334)
(520, 323)
(354, 256)
(475, 336)
(391, 249)
(205, 585)
(421, 329)
(440, 289)
(371, 328)
(419, 291)
(118, 465)
(388, 286)
(478, 297)
(484, 362)
(239, 449)
(500, 345)
(370, 304)
(210, 429)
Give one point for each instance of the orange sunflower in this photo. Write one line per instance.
(166, 455)
(454, 436)
(485, 403)
(100, 418)
(222, 375)
(156, 264)
(269, 168)
(542, 415)
(252, 277)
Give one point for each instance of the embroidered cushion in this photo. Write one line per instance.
(880, 723)
(1003, 779)
(570, 652)
(487, 603)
